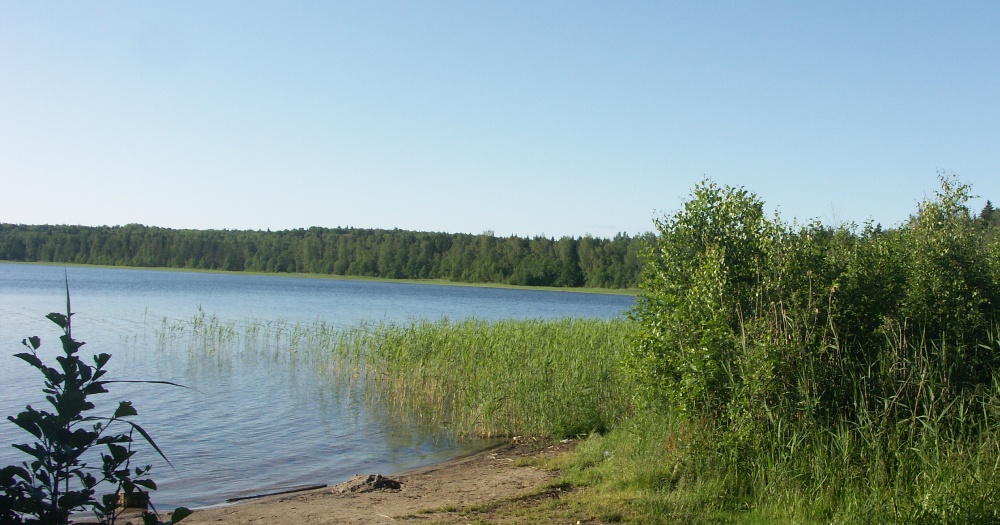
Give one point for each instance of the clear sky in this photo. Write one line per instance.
(527, 118)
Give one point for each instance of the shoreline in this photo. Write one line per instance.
(440, 282)
(251, 497)
(441, 493)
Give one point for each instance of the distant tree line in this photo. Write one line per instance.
(396, 254)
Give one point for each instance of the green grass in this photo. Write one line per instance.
(930, 453)
(652, 471)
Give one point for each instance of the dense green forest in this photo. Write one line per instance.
(394, 254)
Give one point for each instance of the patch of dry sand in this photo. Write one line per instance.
(485, 477)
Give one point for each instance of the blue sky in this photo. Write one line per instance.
(526, 118)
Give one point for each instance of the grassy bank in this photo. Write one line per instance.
(938, 463)
(941, 464)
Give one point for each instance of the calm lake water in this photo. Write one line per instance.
(246, 424)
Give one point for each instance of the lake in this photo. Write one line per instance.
(247, 422)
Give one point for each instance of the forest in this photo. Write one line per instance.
(394, 254)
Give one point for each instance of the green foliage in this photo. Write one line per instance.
(655, 469)
(824, 374)
(57, 480)
(741, 314)
(951, 291)
(393, 254)
(988, 216)
(702, 277)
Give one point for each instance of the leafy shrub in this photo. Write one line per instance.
(702, 277)
(820, 374)
(952, 293)
(749, 319)
(58, 481)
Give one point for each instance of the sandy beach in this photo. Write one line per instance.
(433, 494)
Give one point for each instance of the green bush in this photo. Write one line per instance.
(749, 319)
(831, 374)
(952, 293)
(702, 276)
(57, 480)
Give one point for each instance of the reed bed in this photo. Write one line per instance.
(470, 378)
(550, 378)
(207, 336)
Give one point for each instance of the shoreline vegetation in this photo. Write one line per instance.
(809, 378)
(768, 373)
(531, 378)
(567, 262)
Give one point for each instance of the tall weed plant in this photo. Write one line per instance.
(59, 478)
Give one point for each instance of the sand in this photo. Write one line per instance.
(426, 495)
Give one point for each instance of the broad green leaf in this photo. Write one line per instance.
(29, 421)
(148, 483)
(70, 345)
(119, 453)
(102, 359)
(18, 471)
(95, 388)
(110, 502)
(31, 359)
(85, 373)
(35, 451)
(179, 514)
(125, 409)
(58, 319)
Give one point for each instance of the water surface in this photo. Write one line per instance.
(247, 423)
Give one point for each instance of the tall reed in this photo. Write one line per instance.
(470, 378)
(502, 378)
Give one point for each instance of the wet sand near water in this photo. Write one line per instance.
(425, 495)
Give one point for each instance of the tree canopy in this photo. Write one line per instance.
(395, 254)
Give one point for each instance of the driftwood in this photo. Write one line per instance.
(289, 491)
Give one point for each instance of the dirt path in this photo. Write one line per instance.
(425, 495)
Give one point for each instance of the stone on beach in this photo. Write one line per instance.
(368, 483)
